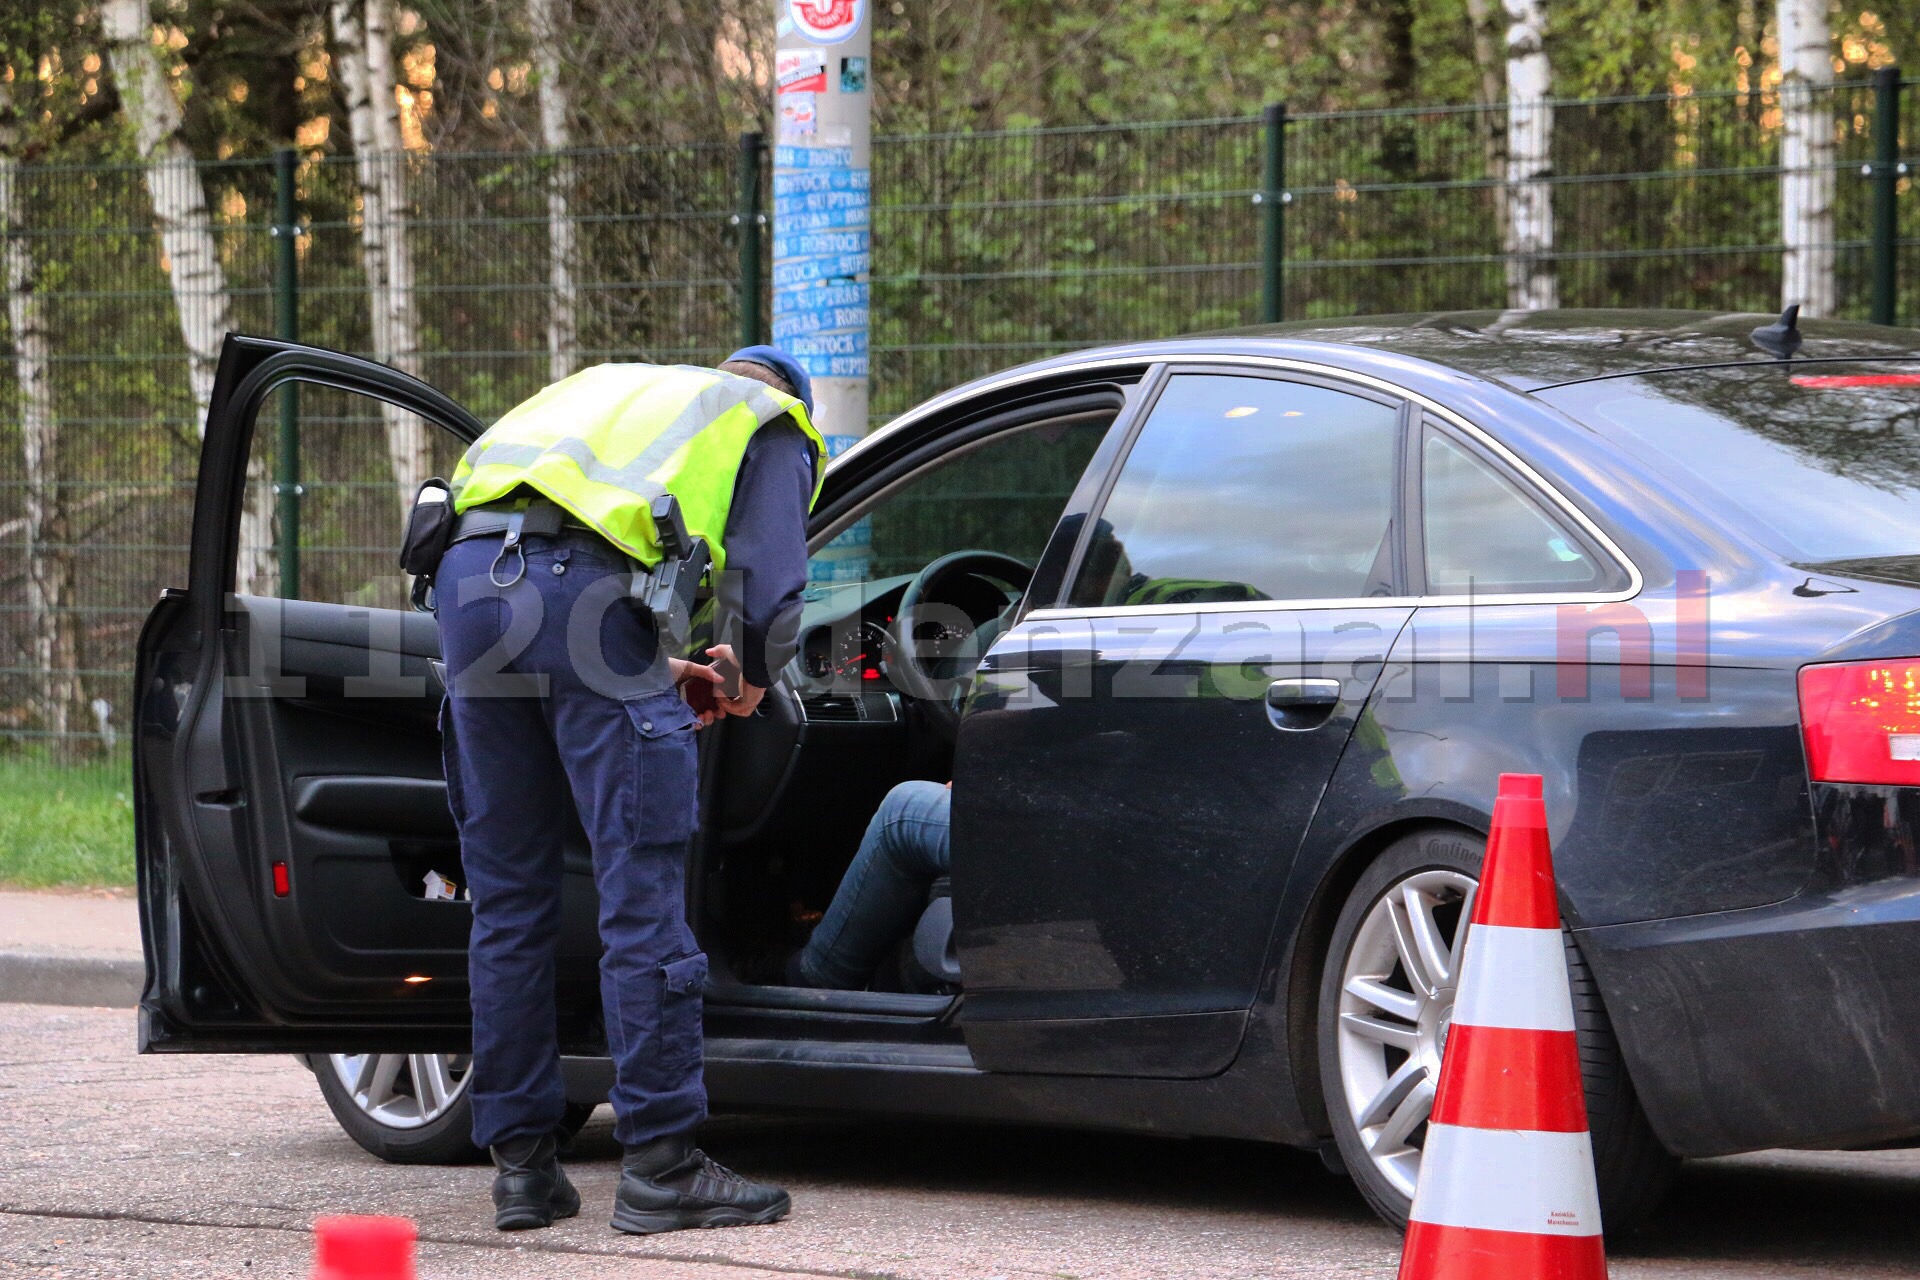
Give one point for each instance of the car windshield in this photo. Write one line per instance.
(1820, 462)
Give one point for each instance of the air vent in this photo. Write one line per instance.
(832, 708)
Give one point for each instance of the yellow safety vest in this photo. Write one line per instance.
(609, 440)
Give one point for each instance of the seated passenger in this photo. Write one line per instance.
(883, 893)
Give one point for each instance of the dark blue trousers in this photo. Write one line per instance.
(558, 699)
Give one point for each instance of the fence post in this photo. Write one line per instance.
(286, 306)
(750, 220)
(1886, 182)
(1273, 209)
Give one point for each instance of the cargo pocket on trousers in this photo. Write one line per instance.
(681, 1033)
(666, 769)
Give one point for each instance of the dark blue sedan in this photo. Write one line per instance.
(1223, 642)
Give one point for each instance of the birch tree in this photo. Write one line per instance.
(193, 256)
(549, 20)
(363, 53)
(51, 626)
(350, 69)
(1531, 282)
(1806, 156)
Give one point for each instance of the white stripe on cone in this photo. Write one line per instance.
(1508, 1180)
(1519, 980)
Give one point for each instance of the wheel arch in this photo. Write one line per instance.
(1315, 934)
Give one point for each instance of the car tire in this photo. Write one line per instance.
(1439, 868)
(384, 1124)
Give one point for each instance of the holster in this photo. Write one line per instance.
(429, 531)
(671, 588)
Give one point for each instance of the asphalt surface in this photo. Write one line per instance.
(131, 1167)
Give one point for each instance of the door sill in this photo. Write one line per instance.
(841, 1053)
(888, 1004)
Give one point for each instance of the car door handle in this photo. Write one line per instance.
(1288, 695)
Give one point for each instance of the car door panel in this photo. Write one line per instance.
(291, 792)
(1130, 813)
(1139, 762)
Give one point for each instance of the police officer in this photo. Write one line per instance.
(561, 693)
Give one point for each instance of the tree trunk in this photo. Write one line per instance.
(409, 446)
(51, 625)
(549, 19)
(193, 256)
(1493, 142)
(1806, 157)
(350, 67)
(1531, 283)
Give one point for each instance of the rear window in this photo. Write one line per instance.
(1820, 462)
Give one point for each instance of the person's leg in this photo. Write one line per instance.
(905, 849)
(627, 742)
(509, 799)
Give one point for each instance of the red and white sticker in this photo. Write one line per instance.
(827, 21)
(799, 71)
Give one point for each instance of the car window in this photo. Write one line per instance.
(1820, 463)
(1246, 488)
(350, 448)
(1004, 495)
(1483, 535)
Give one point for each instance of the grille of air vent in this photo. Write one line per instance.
(828, 707)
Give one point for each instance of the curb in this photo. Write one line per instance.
(34, 977)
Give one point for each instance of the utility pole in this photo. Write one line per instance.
(822, 236)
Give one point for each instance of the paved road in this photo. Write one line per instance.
(133, 1168)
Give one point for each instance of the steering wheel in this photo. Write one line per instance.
(931, 650)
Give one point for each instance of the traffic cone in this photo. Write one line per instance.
(363, 1248)
(1506, 1186)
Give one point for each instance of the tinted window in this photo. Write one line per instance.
(1484, 535)
(1243, 488)
(1820, 463)
(1004, 495)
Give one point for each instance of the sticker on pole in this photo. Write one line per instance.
(799, 71)
(826, 21)
(799, 114)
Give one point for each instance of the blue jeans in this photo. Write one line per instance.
(881, 897)
(557, 701)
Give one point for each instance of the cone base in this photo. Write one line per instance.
(1469, 1253)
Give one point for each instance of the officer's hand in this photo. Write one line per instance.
(697, 684)
(750, 695)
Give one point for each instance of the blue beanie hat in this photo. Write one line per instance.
(783, 364)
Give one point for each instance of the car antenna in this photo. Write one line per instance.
(1782, 337)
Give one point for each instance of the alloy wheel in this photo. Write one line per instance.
(1396, 1004)
(403, 1090)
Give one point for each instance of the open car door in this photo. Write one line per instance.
(290, 797)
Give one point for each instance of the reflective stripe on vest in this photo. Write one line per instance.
(609, 440)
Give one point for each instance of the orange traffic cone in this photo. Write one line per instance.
(1506, 1177)
(356, 1248)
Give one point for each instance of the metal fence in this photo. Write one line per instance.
(989, 249)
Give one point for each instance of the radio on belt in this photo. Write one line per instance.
(670, 589)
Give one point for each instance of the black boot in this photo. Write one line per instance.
(669, 1184)
(530, 1188)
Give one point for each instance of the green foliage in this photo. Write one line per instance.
(65, 825)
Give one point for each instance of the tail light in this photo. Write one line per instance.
(1862, 721)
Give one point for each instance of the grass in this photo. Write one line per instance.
(65, 825)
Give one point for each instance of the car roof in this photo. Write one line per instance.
(1526, 350)
(1520, 350)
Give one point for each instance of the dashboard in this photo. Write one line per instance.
(839, 669)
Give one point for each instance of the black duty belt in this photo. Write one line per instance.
(541, 517)
(668, 591)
